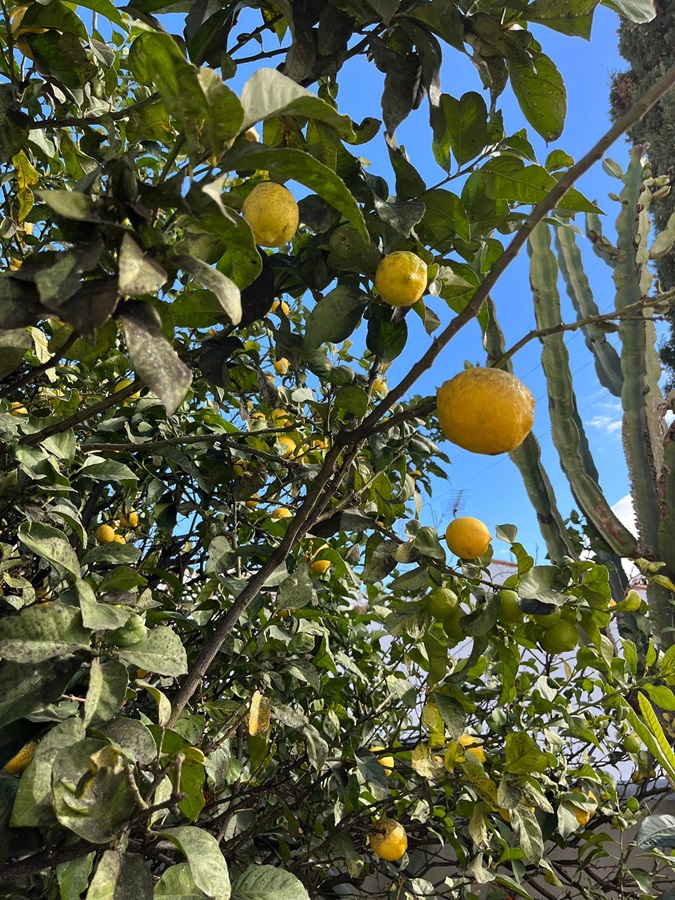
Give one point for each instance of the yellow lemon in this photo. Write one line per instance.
(22, 760)
(271, 211)
(130, 520)
(467, 743)
(253, 501)
(401, 278)
(388, 839)
(467, 537)
(238, 469)
(280, 305)
(380, 386)
(281, 513)
(319, 566)
(387, 762)
(584, 816)
(485, 410)
(18, 409)
(288, 444)
(281, 365)
(105, 534)
(118, 539)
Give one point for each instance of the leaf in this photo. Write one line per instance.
(657, 831)
(73, 876)
(152, 356)
(40, 632)
(107, 691)
(108, 470)
(295, 591)
(664, 752)
(638, 11)
(26, 689)
(13, 346)
(207, 864)
(462, 126)
(259, 713)
(287, 162)
(223, 288)
(541, 94)
(51, 544)
(268, 883)
(161, 652)
(70, 205)
(133, 737)
(528, 832)
(138, 273)
(13, 126)
(662, 696)
(387, 333)
(317, 748)
(123, 875)
(177, 883)
(573, 17)
(270, 93)
(523, 756)
(33, 804)
(335, 316)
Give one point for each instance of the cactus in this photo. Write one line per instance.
(634, 376)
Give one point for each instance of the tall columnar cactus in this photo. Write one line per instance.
(633, 375)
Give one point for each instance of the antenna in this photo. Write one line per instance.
(457, 501)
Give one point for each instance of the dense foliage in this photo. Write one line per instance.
(216, 583)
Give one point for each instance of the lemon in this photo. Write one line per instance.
(281, 513)
(468, 743)
(467, 537)
(583, 816)
(253, 501)
(441, 603)
(130, 520)
(452, 626)
(388, 839)
(319, 566)
(238, 469)
(401, 278)
(510, 612)
(380, 386)
(22, 760)
(288, 444)
(280, 418)
(548, 619)
(281, 365)
(387, 762)
(560, 638)
(632, 601)
(485, 410)
(118, 539)
(280, 305)
(632, 743)
(105, 534)
(271, 211)
(18, 409)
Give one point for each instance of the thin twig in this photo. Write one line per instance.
(84, 121)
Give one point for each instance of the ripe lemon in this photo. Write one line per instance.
(388, 839)
(281, 513)
(281, 366)
(401, 278)
(584, 816)
(22, 760)
(288, 444)
(105, 534)
(18, 409)
(485, 410)
(319, 566)
(239, 468)
(253, 501)
(441, 603)
(560, 638)
(280, 305)
(280, 418)
(387, 762)
(130, 520)
(271, 211)
(118, 539)
(467, 743)
(467, 537)
(510, 612)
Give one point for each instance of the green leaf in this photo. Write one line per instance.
(638, 11)
(207, 864)
(523, 756)
(107, 691)
(133, 737)
(104, 8)
(509, 178)
(138, 273)
(123, 875)
(177, 883)
(573, 17)
(270, 93)
(528, 832)
(387, 332)
(268, 883)
(295, 591)
(33, 805)
(462, 126)
(161, 652)
(108, 470)
(223, 289)
(541, 94)
(153, 357)
(442, 18)
(13, 346)
(13, 126)
(445, 220)
(51, 544)
(98, 616)
(657, 831)
(664, 752)
(40, 632)
(91, 792)
(335, 316)
(26, 689)
(73, 876)
(70, 204)
(287, 162)
(662, 696)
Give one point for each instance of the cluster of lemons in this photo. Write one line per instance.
(106, 534)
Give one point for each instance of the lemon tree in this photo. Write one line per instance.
(236, 659)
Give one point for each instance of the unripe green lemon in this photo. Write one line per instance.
(549, 618)
(632, 601)
(560, 638)
(401, 278)
(133, 631)
(452, 626)
(510, 612)
(271, 211)
(632, 743)
(441, 603)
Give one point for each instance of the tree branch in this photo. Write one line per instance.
(24, 379)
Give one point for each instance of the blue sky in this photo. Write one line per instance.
(491, 488)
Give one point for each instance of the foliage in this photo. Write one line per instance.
(205, 687)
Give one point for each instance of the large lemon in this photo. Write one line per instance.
(584, 816)
(105, 534)
(388, 839)
(271, 211)
(467, 743)
(467, 537)
(560, 638)
(401, 278)
(485, 410)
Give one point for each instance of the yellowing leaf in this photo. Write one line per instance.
(259, 715)
(661, 749)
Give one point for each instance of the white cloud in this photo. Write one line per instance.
(623, 510)
(608, 424)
